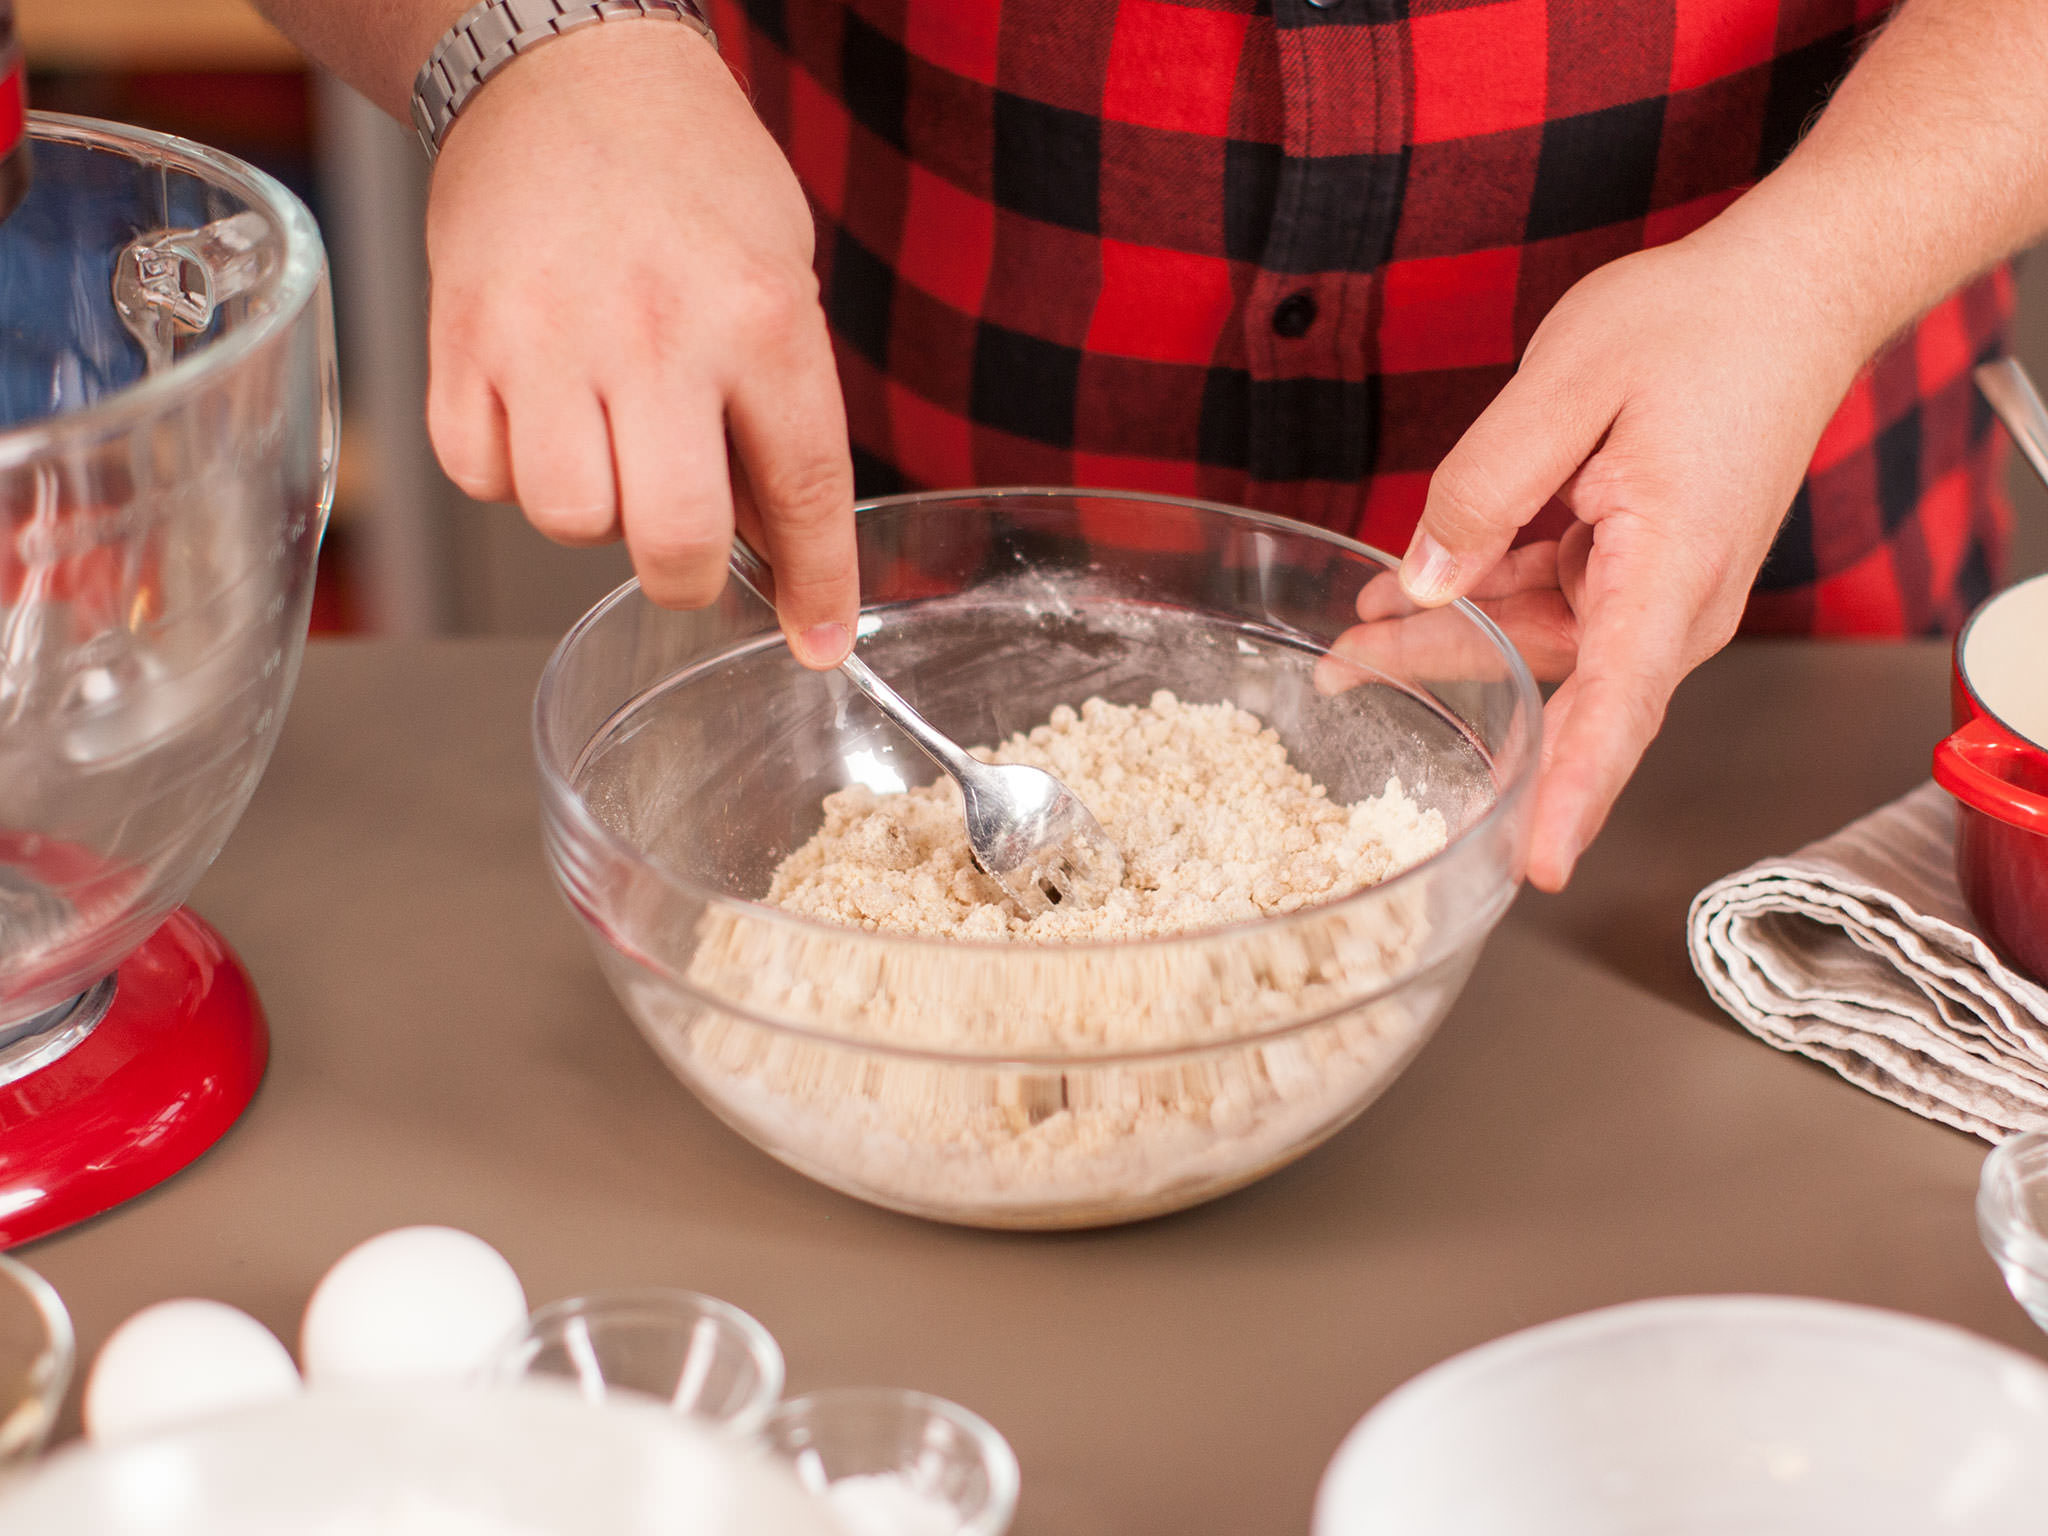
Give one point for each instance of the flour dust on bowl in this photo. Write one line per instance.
(988, 1077)
(168, 420)
(1706, 1416)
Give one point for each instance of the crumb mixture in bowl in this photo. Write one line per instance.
(1216, 828)
(1271, 965)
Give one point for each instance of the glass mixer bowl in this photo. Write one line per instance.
(168, 418)
(683, 755)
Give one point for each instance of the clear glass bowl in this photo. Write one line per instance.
(36, 1357)
(1706, 1416)
(695, 1354)
(158, 528)
(876, 1445)
(683, 755)
(2012, 1217)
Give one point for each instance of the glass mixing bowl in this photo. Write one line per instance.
(167, 427)
(684, 755)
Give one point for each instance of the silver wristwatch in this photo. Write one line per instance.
(485, 38)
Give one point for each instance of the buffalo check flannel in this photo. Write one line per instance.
(1282, 252)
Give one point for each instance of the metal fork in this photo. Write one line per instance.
(2018, 403)
(1027, 831)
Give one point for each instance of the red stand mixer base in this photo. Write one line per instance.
(160, 1079)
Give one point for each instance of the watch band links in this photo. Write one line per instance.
(489, 35)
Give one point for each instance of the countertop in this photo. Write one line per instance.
(1586, 1128)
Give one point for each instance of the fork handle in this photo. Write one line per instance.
(750, 570)
(2019, 405)
(755, 574)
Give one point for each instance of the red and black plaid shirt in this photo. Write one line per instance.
(1282, 252)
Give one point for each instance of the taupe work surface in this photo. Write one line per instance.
(1587, 1128)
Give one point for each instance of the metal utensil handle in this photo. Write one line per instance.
(750, 570)
(755, 574)
(2018, 403)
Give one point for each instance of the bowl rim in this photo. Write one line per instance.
(1740, 1310)
(998, 1456)
(58, 1357)
(298, 277)
(512, 1361)
(2009, 1231)
(561, 798)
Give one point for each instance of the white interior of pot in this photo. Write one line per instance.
(2005, 659)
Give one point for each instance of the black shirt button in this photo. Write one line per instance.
(1326, 5)
(1293, 315)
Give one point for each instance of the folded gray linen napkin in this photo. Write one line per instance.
(1858, 951)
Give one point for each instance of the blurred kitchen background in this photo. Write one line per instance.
(408, 553)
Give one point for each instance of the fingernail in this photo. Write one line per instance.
(824, 645)
(1568, 863)
(1427, 571)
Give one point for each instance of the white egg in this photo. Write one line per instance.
(416, 1304)
(183, 1360)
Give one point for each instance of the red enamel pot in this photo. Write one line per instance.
(1996, 765)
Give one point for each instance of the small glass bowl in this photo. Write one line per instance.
(2012, 1217)
(939, 1450)
(36, 1353)
(701, 1356)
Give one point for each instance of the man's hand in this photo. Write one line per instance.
(1671, 401)
(1673, 398)
(622, 288)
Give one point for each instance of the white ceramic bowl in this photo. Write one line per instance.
(421, 1462)
(1706, 1416)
